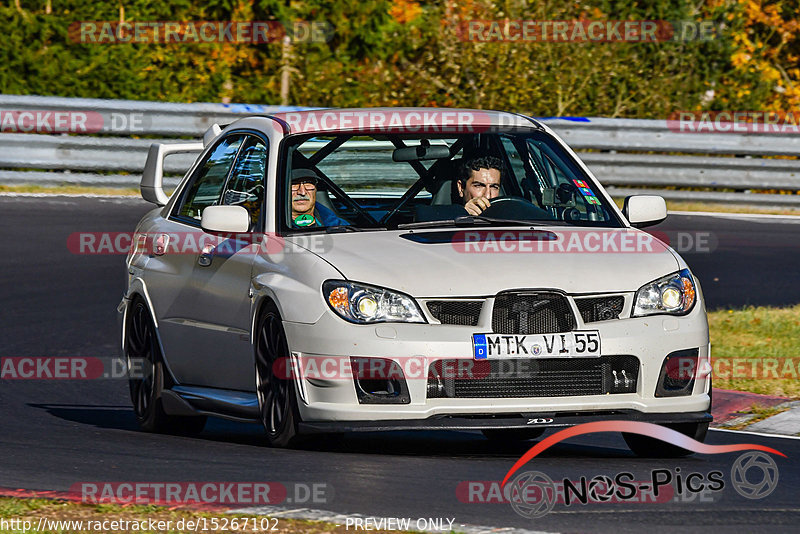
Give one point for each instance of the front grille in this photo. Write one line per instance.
(531, 312)
(547, 377)
(460, 312)
(600, 308)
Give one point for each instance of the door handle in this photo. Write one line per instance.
(206, 255)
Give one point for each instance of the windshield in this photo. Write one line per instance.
(367, 182)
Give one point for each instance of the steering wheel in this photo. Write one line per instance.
(507, 207)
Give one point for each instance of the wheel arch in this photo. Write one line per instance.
(138, 289)
(260, 302)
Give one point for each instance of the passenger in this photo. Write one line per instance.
(479, 182)
(306, 211)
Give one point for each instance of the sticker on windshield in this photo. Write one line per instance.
(305, 220)
(587, 192)
(584, 188)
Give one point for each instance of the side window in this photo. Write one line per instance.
(209, 180)
(246, 183)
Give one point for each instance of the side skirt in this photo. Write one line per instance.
(192, 400)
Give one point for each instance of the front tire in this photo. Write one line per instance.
(277, 400)
(146, 376)
(648, 447)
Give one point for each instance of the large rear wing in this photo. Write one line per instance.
(151, 185)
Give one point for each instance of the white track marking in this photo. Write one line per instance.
(68, 195)
(762, 434)
(757, 217)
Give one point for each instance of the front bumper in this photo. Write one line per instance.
(335, 401)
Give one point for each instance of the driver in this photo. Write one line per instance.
(479, 182)
(306, 211)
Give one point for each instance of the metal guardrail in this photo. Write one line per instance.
(152, 118)
(622, 153)
(655, 170)
(643, 135)
(83, 153)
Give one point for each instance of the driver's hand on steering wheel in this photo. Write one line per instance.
(475, 206)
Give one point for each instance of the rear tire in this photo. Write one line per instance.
(648, 447)
(277, 400)
(146, 376)
(512, 434)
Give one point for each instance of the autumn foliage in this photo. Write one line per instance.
(411, 52)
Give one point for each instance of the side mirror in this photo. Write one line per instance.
(644, 210)
(225, 219)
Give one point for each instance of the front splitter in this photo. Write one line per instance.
(486, 422)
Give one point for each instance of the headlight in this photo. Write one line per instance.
(359, 303)
(674, 294)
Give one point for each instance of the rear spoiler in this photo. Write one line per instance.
(151, 185)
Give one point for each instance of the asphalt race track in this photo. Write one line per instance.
(56, 433)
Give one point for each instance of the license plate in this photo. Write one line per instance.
(581, 344)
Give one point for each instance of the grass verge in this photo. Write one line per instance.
(756, 349)
(754, 414)
(70, 190)
(92, 516)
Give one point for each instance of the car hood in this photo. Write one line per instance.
(480, 262)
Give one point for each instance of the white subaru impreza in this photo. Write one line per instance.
(380, 269)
